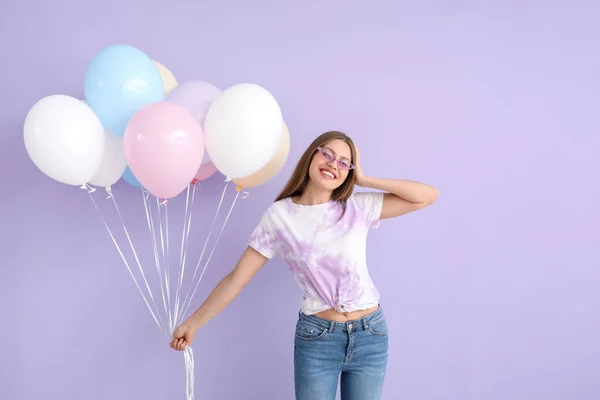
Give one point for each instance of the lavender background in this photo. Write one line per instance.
(490, 294)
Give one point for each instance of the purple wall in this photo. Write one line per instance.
(490, 294)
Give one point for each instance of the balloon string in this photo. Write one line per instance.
(188, 352)
(114, 201)
(164, 242)
(90, 191)
(168, 257)
(152, 229)
(181, 266)
(211, 253)
(184, 245)
(185, 221)
(186, 299)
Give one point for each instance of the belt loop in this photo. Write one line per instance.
(331, 326)
(365, 323)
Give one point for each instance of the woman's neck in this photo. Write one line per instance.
(313, 196)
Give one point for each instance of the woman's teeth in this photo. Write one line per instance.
(327, 174)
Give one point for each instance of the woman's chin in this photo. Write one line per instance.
(324, 183)
(328, 184)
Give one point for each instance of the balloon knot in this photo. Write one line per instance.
(238, 188)
(164, 202)
(194, 181)
(87, 187)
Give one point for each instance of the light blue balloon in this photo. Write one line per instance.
(119, 81)
(130, 178)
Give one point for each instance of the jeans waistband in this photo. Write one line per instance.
(343, 326)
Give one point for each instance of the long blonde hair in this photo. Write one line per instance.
(300, 177)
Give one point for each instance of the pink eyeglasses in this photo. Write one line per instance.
(329, 156)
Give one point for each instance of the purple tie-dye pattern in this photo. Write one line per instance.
(351, 217)
(369, 205)
(344, 217)
(265, 239)
(324, 246)
(333, 279)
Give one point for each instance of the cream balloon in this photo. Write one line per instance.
(113, 162)
(273, 166)
(169, 81)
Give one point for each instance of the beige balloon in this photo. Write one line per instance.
(273, 167)
(169, 81)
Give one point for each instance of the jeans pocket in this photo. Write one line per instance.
(378, 326)
(308, 332)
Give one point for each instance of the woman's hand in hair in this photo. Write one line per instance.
(359, 176)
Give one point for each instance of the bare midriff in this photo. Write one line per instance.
(337, 316)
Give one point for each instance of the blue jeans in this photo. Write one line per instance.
(356, 350)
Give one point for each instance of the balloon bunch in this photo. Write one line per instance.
(138, 124)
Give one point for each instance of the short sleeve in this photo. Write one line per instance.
(370, 205)
(264, 238)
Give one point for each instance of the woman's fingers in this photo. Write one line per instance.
(178, 344)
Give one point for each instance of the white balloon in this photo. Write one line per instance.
(64, 138)
(242, 130)
(113, 162)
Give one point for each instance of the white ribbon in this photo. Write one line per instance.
(187, 299)
(160, 232)
(152, 230)
(187, 222)
(189, 302)
(188, 356)
(91, 190)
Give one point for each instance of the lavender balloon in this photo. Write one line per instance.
(197, 97)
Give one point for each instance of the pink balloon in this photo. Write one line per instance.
(164, 146)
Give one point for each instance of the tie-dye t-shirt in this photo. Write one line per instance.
(325, 248)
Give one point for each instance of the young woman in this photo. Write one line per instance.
(319, 227)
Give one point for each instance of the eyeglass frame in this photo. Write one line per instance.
(321, 151)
